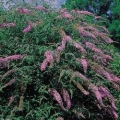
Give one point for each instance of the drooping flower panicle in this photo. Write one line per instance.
(28, 29)
(7, 25)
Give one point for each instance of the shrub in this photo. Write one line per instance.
(57, 65)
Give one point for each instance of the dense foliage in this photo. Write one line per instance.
(107, 8)
(57, 65)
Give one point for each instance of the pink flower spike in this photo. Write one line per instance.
(49, 57)
(14, 57)
(84, 63)
(90, 45)
(42, 8)
(44, 65)
(83, 32)
(57, 97)
(6, 25)
(67, 15)
(24, 11)
(79, 47)
(103, 91)
(67, 38)
(12, 98)
(115, 78)
(94, 48)
(84, 12)
(115, 115)
(3, 62)
(107, 39)
(66, 99)
(60, 48)
(108, 57)
(98, 95)
(28, 29)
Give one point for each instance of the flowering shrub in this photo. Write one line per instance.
(62, 66)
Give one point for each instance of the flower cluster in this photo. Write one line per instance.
(84, 12)
(42, 8)
(24, 11)
(65, 14)
(49, 59)
(58, 98)
(7, 25)
(28, 29)
(3, 61)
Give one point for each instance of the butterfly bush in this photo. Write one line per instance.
(69, 71)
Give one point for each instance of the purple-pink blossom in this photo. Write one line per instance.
(28, 29)
(114, 113)
(3, 61)
(6, 25)
(66, 98)
(111, 77)
(44, 65)
(79, 47)
(106, 58)
(42, 8)
(83, 32)
(84, 12)
(104, 29)
(24, 11)
(65, 39)
(84, 63)
(97, 93)
(14, 57)
(94, 48)
(67, 15)
(60, 48)
(103, 91)
(12, 98)
(49, 57)
(106, 39)
(56, 96)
